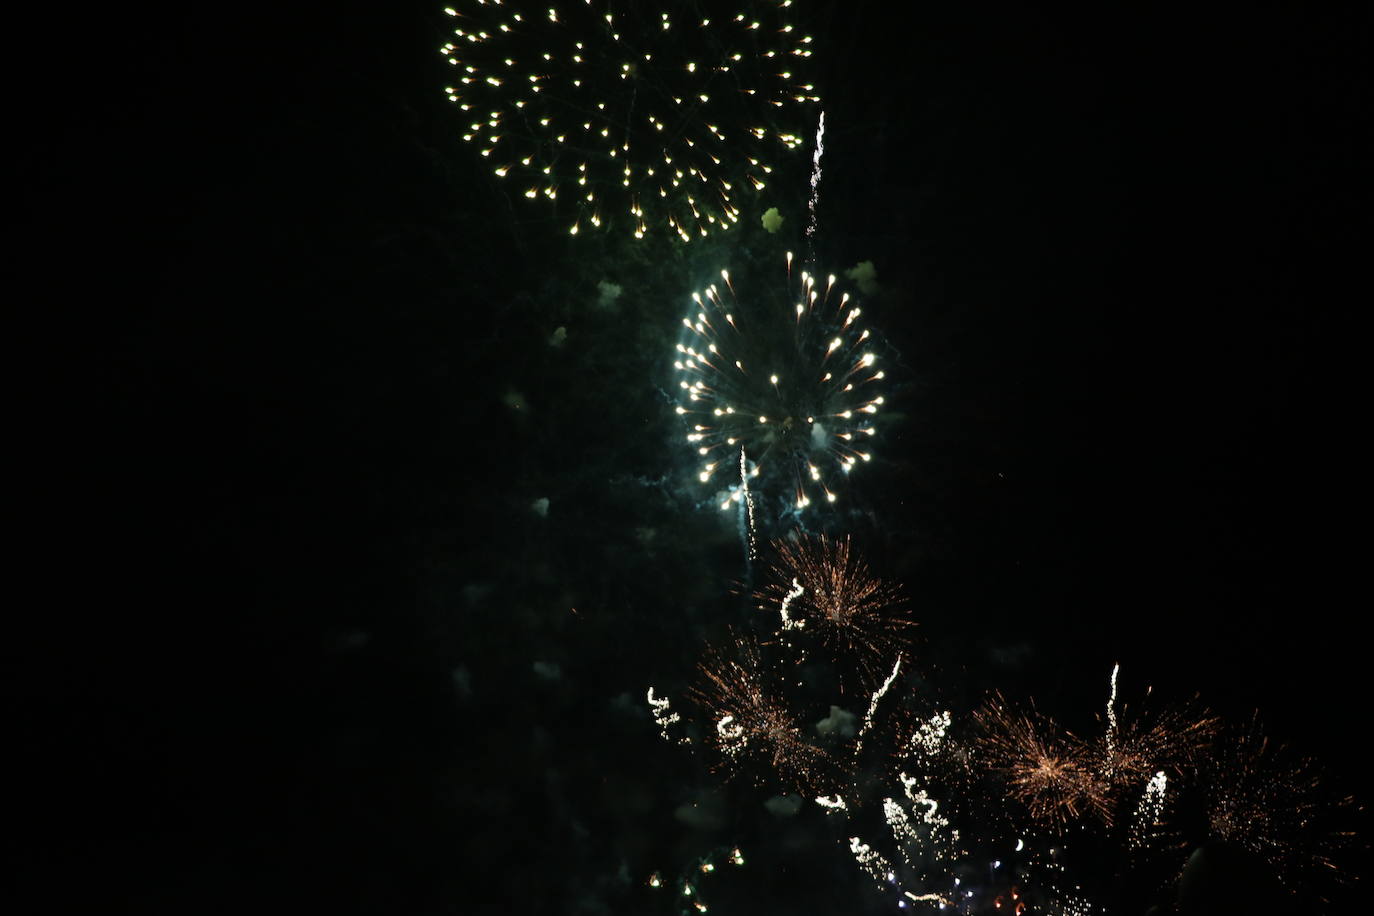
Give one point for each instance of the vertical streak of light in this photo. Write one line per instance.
(746, 514)
(873, 705)
(815, 183)
(1111, 721)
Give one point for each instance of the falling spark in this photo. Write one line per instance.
(873, 705)
(1111, 722)
(1150, 811)
(816, 177)
(746, 513)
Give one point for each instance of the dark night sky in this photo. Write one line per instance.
(281, 499)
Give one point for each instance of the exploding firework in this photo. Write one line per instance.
(652, 116)
(823, 587)
(1044, 767)
(1261, 797)
(1171, 739)
(783, 383)
(751, 727)
(1136, 745)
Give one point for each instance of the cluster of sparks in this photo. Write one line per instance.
(826, 588)
(1133, 749)
(939, 781)
(1061, 778)
(1265, 799)
(789, 383)
(1041, 765)
(749, 724)
(1150, 812)
(649, 115)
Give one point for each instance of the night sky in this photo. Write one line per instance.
(297, 638)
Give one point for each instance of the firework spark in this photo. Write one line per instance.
(1149, 813)
(831, 593)
(664, 717)
(749, 725)
(1140, 745)
(650, 116)
(815, 178)
(1135, 746)
(1041, 765)
(688, 886)
(792, 380)
(1265, 799)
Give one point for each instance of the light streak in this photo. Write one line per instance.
(1150, 811)
(747, 511)
(873, 705)
(816, 177)
(1111, 722)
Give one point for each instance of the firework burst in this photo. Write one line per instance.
(1263, 798)
(750, 726)
(1044, 767)
(785, 385)
(648, 115)
(828, 591)
(1135, 745)
(1171, 739)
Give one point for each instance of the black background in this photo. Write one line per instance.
(280, 496)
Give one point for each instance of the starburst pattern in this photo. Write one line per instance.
(835, 597)
(749, 725)
(652, 116)
(786, 376)
(1138, 745)
(1041, 765)
(1267, 800)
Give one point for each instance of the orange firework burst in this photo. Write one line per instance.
(1045, 768)
(1263, 798)
(822, 587)
(748, 724)
(1133, 748)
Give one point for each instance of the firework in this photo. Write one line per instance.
(828, 591)
(750, 726)
(1265, 799)
(1044, 767)
(1133, 747)
(923, 746)
(1149, 812)
(648, 115)
(1140, 746)
(687, 888)
(785, 382)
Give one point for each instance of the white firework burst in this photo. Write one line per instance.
(787, 376)
(653, 116)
